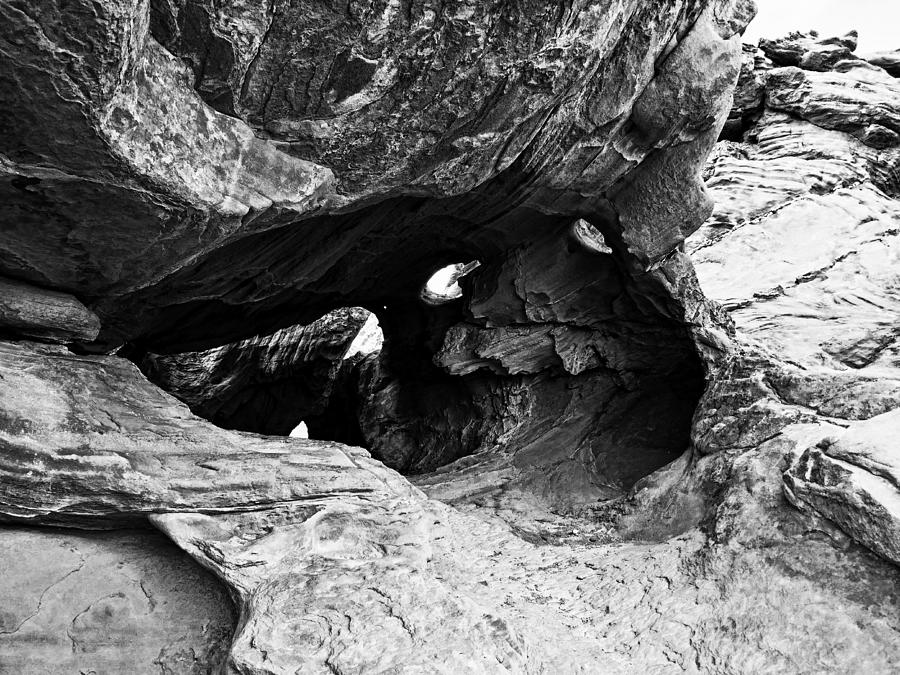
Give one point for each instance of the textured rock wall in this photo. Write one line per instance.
(801, 249)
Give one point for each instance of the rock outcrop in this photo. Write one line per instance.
(802, 250)
(336, 563)
(854, 481)
(638, 479)
(307, 535)
(889, 61)
(154, 149)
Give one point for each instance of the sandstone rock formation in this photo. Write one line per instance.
(421, 135)
(631, 477)
(889, 61)
(44, 314)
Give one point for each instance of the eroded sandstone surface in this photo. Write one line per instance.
(107, 602)
(632, 441)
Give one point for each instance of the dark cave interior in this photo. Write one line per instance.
(560, 355)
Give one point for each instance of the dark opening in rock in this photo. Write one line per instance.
(558, 362)
(269, 383)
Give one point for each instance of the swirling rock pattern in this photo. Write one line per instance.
(369, 141)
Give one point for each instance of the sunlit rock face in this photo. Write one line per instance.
(202, 183)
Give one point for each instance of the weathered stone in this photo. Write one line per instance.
(369, 149)
(749, 93)
(125, 449)
(259, 166)
(889, 61)
(49, 315)
(851, 100)
(802, 244)
(807, 51)
(357, 580)
(107, 602)
(801, 250)
(271, 517)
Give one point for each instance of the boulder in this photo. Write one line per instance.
(854, 480)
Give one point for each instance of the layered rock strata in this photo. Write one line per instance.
(336, 563)
(422, 135)
(802, 250)
(44, 314)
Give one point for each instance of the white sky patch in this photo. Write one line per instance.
(369, 339)
(442, 283)
(300, 431)
(877, 21)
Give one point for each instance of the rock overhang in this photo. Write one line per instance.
(211, 204)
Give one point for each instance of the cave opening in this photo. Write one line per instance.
(443, 286)
(537, 348)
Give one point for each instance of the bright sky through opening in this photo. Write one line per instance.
(877, 21)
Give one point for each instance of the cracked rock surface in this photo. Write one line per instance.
(82, 596)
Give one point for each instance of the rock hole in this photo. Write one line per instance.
(272, 384)
(590, 237)
(443, 286)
